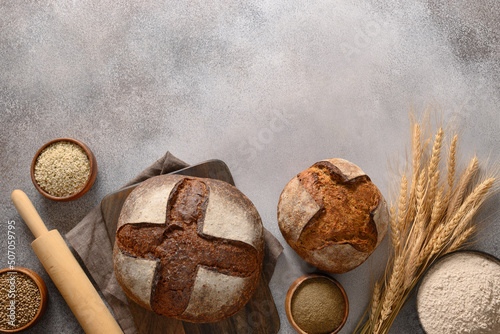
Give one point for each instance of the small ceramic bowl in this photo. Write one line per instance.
(295, 285)
(90, 181)
(43, 297)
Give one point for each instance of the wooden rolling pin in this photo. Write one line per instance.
(65, 272)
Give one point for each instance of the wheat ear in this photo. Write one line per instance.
(377, 290)
(462, 239)
(452, 161)
(392, 291)
(461, 189)
(437, 208)
(417, 153)
(399, 220)
(451, 170)
(474, 198)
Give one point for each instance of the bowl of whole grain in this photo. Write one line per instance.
(316, 304)
(24, 296)
(63, 169)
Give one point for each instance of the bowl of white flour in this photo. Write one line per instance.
(460, 293)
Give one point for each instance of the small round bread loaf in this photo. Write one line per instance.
(332, 215)
(189, 248)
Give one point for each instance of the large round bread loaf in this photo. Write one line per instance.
(189, 248)
(332, 215)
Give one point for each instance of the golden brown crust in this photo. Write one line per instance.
(346, 209)
(348, 223)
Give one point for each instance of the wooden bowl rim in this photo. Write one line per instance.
(294, 287)
(43, 297)
(90, 180)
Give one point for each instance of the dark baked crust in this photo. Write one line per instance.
(181, 248)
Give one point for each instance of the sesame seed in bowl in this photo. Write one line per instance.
(63, 169)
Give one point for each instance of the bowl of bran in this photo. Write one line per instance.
(316, 304)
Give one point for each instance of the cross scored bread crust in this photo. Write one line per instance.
(191, 275)
(332, 215)
(346, 206)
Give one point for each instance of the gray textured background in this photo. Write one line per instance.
(270, 87)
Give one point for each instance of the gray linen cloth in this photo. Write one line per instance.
(89, 238)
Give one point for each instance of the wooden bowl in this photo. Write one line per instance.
(90, 181)
(295, 285)
(43, 297)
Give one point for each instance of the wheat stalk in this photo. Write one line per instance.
(375, 301)
(428, 220)
(418, 225)
(417, 154)
(462, 239)
(392, 291)
(451, 171)
(452, 162)
(437, 208)
(396, 244)
(397, 221)
(463, 183)
(477, 196)
(433, 171)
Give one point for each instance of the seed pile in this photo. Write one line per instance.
(26, 296)
(62, 169)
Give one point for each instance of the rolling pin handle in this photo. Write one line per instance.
(28, 213)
